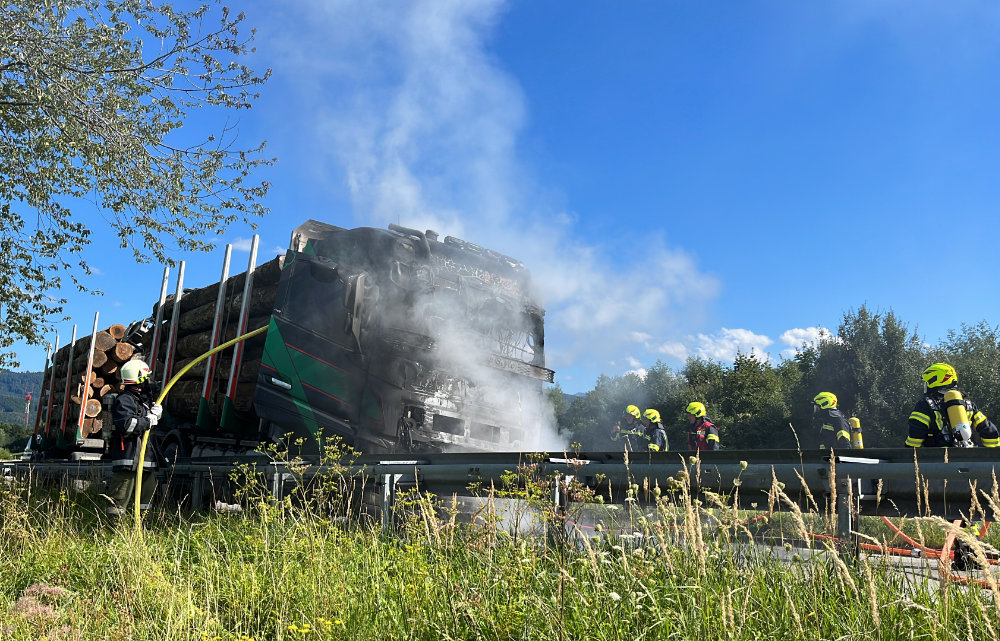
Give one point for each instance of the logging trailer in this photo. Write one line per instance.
(388, 339)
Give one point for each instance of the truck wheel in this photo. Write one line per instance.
(174, 446)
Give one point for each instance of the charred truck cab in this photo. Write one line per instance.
(396, 341)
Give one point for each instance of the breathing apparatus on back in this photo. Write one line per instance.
(958, 417)
(941, 378)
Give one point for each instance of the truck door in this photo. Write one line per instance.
(313, 368)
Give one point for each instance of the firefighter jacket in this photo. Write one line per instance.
(130, 418)
(657, 437)
(930, 427)
(632, 434)
(832, 428)
(703, 435)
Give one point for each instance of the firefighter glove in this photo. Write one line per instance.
(151, 419)
(156, 410)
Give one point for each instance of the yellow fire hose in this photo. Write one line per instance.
(163, 395)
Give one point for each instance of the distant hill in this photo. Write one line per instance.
(13, 387)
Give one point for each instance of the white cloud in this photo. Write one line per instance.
(798, 337)
(725, 345)
(672, 349)
(640, 372)
(633, 362)
(242, 244)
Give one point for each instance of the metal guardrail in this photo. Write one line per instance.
(896, 482)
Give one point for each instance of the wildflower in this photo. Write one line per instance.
(615, 596)
(598, 528)
(743, 465)
(737, 482)
(692, 460)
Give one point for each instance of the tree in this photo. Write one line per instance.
(873, 368)
(93, 94)
(975, 352)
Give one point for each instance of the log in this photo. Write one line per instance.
(268, 273)
(110, 369)
(103, 390)
(198, 343)
(92, 408)
(185, 398)
(92, 425)
(201, 318)
(121, 352)
(117, 331)
(251, 363)
(97, 382)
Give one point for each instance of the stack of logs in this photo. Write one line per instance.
(194, 336)
(110, 351)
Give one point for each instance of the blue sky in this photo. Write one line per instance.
(682, 178)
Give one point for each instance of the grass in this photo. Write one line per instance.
(297, 570)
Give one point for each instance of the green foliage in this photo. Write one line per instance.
(14, 437)
(93, 96)
(872, 365)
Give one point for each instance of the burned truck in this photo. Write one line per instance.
(389, 340)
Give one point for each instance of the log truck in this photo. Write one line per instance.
(389, 340)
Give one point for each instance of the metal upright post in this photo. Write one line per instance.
(85, 390)
(69, 383)
(154, 348)
(229, 418)
(175, 319)
(50, 358)
(204, 405)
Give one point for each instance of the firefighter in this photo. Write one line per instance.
(630, 427)
(132, 413)
(830, 424)
(654, 432)
(945, 417)
(703, 434)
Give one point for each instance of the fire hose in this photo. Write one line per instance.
(163, 395)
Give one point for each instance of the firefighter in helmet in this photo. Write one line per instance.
(629, 427)
(829, 423)
(703, 434)
(654, 432)
(132, 413)
(945, 417)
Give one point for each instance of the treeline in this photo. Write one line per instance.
(873, 365)
(13, 387)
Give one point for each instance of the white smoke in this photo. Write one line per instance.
(421, 126)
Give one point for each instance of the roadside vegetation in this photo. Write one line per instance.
(657, 563)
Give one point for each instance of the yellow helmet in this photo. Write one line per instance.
(939, 375)
(632, 411)
(134, 372)
(825, 400)
(696, 408)
(652, 415)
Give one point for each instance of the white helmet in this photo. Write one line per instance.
(135, 373)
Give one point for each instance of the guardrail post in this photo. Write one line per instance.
(388, 502)
(197, 490)
(845, 517)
